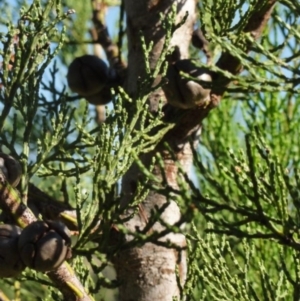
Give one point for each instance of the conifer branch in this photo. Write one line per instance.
(190, 119)
(254, 27)
(102, 37)
(50, 208)
(63, 277)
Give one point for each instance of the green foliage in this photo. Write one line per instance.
(244, 242)
(58, 142)
(241, 212)
(236, 269)
(248, 166)
(273, 63)
(77, 31)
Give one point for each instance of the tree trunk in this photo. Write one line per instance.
(147, 273)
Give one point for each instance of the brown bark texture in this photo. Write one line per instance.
(148, 272)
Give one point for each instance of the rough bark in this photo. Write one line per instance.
(148, 272)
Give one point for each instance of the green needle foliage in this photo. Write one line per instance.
(240, 211)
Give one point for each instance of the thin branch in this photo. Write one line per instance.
(63, 277)
(111, 50)
(3, 297)
(190, 119)
(255, 27)
(51, 208)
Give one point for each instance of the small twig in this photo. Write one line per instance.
(255, 26)
(51, 208)
(121, 31)
(11, 204)
(3, 297)
(111, 50)
(199, 41)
